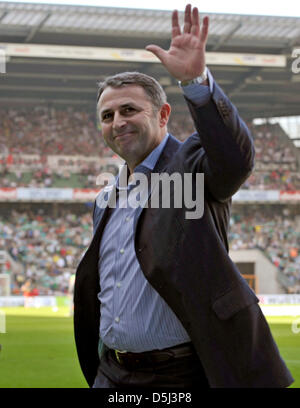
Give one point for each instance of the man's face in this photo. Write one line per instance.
(130, 127)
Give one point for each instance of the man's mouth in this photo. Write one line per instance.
(123, 135)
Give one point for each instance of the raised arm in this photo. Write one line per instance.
(185, 59)
(227, 157)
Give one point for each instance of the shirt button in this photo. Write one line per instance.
(122, 251)
(127, 219)
(117, 319)
(119, 285)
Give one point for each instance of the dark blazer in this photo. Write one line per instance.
(187, 262)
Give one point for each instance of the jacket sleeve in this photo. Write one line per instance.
(227, 154)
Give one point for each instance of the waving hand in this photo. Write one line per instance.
(185, 58)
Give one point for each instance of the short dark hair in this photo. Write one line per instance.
(151, 86)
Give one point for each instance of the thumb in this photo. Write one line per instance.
(157, 51)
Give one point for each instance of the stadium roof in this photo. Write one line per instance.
(261, 90)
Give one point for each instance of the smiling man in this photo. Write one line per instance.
(132, 123)
(158, 302)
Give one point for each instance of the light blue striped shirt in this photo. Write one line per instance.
(134, 317)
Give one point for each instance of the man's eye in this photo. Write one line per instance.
(129, 109)
(106, 116)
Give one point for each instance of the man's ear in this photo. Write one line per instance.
(164, 114)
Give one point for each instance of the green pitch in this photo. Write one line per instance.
(38, 349)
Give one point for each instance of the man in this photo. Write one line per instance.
(175, 311)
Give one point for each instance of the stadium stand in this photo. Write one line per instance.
(48, 243)
(46, 130)
(29, 139)
(51, 150)
(277, 160)
(275, 231)
(47, 246)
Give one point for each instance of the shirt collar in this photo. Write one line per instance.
(150, 161)
(147, 164)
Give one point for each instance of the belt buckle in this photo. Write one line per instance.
(117, 352)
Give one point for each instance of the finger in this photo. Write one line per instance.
(175, 24)
(204, 29)
(195, 30)
(187, 19)
(157, 51)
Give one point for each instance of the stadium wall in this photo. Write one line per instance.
(264, 271)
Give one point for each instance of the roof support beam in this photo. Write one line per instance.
(36, 28)
(240, 83)
(3, 15)
(226, 37)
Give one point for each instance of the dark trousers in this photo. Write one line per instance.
(183, 372)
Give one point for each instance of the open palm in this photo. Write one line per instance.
(185, 58)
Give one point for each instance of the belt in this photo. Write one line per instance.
(151, 358)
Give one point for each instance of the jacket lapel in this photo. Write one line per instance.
(170, 149)
(107, 196)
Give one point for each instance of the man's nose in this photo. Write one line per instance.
(119, 121)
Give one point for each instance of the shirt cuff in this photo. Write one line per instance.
(197, 93)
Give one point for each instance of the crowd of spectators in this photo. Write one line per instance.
(43, 176)
(283, 180)
(276, 160)
(274, 231)
(269, 146)
(46, 131)
(49, 247)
